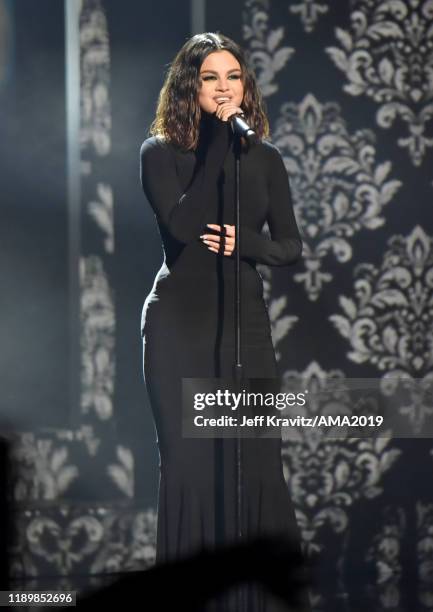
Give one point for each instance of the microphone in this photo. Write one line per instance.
(241, 128)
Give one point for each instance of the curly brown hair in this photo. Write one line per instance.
(178, 112)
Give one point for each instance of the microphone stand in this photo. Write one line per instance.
(240, 128)
(237, 367)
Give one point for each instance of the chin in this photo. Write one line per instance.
(209, 108)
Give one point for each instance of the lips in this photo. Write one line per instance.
(222, 98)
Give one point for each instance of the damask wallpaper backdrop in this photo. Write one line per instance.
(349, 87)
(349, 90)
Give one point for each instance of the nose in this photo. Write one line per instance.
(222, 85)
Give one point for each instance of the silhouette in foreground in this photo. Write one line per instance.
(274, 563)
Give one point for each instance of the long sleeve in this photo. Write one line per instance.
(182, 214)
(285, 245)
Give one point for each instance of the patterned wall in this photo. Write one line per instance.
(73, 487)
(349, 89)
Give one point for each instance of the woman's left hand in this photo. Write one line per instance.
(215, 242)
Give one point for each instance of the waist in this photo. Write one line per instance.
(200, 278)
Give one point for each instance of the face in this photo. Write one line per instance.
(221, 80)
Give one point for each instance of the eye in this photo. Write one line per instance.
(235, 76)
(208, 78)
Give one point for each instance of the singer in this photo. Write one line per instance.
(187, 325)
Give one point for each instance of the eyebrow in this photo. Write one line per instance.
(228, 71)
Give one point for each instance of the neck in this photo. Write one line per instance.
(211, 128)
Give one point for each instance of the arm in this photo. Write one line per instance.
(182, 214)
(285, 245)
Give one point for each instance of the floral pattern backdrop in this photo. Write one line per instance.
(359, 164)
(72, 489)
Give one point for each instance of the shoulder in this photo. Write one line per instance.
(270, 155)
(154, 147)
(156, 156)
(270, 150)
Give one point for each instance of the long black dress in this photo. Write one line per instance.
(187, 328)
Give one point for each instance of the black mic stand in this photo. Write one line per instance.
(240, 128)
(238, 368)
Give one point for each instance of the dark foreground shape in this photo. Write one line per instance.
(275, 563)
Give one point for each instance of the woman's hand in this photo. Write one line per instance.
(225, 110)
(223, 243)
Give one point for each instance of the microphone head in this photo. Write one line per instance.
(241, 128)
(251, 137)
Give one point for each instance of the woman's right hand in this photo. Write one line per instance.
(225, 110)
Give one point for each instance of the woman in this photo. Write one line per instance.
(188, 174)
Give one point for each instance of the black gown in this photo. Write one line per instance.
(188, 331)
